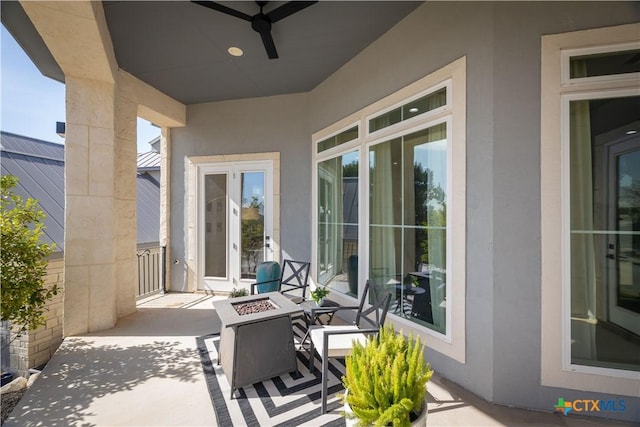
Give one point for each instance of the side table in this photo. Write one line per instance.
(312, 312)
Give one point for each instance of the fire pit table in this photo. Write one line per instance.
(256, 338)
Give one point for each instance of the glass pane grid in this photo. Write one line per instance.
(337, 253)
(407, 229)
(604, 231)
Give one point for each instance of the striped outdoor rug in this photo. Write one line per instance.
(288, 400)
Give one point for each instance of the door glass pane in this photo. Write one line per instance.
(252, 223)
(407, 228)
(604, 224)
(215, 233)
(338, 223)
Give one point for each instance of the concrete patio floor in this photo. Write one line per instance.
(146, 372)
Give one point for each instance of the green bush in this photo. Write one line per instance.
(24, 259)
(238, 292)
(386, 379)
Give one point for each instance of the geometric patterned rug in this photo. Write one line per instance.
(288, 400)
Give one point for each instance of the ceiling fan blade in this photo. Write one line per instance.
(269, 45)
(288, 9)
(223, 9)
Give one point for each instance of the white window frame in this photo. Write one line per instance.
(557, 91)
(453, 76)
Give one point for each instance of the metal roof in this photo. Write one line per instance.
(148, 208)
(39, 166)
(350, 207)
(148, 161)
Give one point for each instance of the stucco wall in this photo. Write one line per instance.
(425, 41)
(502, 44)
(270, 124)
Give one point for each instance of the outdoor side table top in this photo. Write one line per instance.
(308, 305)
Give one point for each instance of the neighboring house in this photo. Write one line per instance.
(497, 150)
(39, 166)
(149, 162)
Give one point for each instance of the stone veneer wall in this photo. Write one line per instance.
(36, 347)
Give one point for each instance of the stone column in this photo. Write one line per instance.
(125, 150)
(100, 161)
(165, 200)
(90, 208)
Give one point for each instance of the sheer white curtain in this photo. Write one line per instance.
(583, 263)
(382, 238)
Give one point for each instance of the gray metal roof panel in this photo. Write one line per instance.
(149, 160)
(43, 180)
(148, 209)
(350, 207)
(39, 166)
(13, 143)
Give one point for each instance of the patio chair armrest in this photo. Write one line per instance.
(330, 310)
(253, 285)
(328, 333)
(291, 288)
(350, 331)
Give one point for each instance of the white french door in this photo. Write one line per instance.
(235, 222)
(623, 245)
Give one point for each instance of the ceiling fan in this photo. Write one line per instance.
(261, 22)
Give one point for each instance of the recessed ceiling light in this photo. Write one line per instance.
(631, 132)
(413, 110)
(235, 51)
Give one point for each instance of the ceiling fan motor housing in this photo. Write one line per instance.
(260, 23)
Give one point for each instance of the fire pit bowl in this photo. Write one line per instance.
(253, 307)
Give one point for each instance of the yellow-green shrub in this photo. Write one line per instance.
(386, 379)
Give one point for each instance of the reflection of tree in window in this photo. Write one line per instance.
(252, 232)
(350, 170)
(431, 197)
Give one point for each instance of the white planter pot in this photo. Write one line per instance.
(421, 421)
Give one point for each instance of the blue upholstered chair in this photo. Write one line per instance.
(267, 277)
(292, 280)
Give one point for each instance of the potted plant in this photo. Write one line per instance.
(386, 381)
(319, 293)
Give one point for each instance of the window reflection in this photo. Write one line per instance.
(605, 233)
(338, 223)
(407, 232)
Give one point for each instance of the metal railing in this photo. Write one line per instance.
(151, 271)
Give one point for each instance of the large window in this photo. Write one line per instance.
(408, 222)
(590, 192)
(338, 223)
(604, 210)
(390, 206)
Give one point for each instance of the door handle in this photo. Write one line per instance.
(611, 256)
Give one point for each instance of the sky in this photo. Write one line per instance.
(31, 104)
